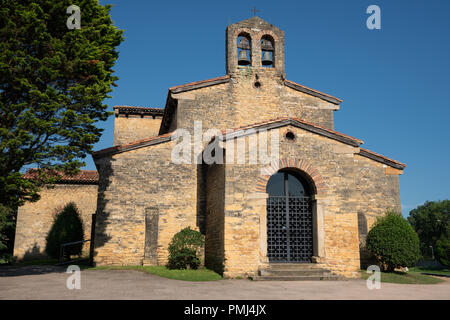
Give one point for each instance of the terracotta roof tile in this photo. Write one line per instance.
(337, 100)
(84, 176)
(199, 82)
(128, 145)
(383, 157)
(298, 120)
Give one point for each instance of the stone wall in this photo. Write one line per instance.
(132, 185)
(130, 128)
(34, 219)
(352, 184)
(239, 103)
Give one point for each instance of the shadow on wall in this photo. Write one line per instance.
(100, 238)
(35, 253)
(215, 218)
(366, 258)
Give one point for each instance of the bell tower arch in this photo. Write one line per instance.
(254, 43)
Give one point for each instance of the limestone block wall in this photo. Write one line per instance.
(132, 185)
(130, 128)
(343, 192)
(239, 103)
(382, 193)
(34, 219)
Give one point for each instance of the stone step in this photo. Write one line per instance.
(297, 278)
(310, 272)
(294, 266)
(295, 272)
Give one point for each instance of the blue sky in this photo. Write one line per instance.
(394, 82)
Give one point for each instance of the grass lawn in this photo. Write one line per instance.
(201, 274)
(412, 277)
(442, 271)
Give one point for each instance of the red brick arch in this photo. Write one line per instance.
(320, 186)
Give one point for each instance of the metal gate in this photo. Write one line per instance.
(289, 229)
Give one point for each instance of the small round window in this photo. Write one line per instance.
(290, 136)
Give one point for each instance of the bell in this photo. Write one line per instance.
(244, 44)
(266, 45)
(243, 59)
(267, 59)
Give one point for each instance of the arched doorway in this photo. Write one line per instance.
(289, 218)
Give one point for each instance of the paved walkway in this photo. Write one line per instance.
(48, 282)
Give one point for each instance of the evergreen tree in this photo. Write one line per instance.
(53, 81)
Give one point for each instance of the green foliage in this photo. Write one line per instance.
(7, 227)
(431, 222)
(393, 242)
(184, 249)
(443, 250)
(403, 278)
(52, 85)
(67, 227)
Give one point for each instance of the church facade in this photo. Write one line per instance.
(311, 203)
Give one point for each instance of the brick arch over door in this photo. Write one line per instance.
(319, 185)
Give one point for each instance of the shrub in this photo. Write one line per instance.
(67, 227)
(393, 242)
(184, 249)
(443, 250)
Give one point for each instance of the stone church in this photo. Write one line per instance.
(313, 204)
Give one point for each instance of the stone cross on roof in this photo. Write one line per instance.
(255, 11)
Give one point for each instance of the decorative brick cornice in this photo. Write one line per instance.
(318, 183)
(130, 110)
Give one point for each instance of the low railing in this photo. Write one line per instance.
(63, 249)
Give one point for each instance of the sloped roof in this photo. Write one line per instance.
(82, 177)
(199, 84)
(296, 122)
(267, 125)
(312, 92)
(237, 132)
(132, 145)
(256, 21)
(382, 159)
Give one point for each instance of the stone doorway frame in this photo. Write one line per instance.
(318, 197)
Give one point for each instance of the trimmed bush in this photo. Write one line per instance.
(67, 227)
(443, 250)
(393, 242)
(184, 249)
